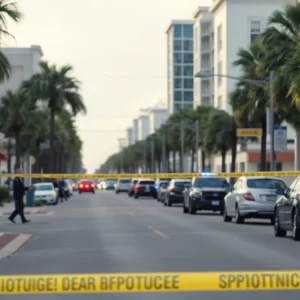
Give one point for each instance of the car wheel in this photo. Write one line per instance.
(136, 196)
(226, 218)
(169, 203)
(238, 218)
(296, 229)
(278, 231)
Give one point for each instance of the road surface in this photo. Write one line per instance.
(105, 233)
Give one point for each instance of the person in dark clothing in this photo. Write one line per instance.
(61, 190)
(19, 190)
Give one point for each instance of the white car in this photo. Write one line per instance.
(45, 192)
(252, 197)
(69, 187)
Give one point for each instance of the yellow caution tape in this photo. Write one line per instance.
(150, 282)
(155, 175)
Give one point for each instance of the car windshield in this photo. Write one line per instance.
(181, 184)
(266, 183)
(211, 183)
(146, 182)
(125, 181)
(44, 187)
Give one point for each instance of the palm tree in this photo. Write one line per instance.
(8, 11)
(55, 86)
(15, 112)
(218, 137)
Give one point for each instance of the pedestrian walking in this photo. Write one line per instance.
(19, 190)
(61, 190)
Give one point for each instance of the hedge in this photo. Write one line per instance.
(5, 196)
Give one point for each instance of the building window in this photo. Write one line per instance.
(178, 96)
(177, 107)
(220, 72)
(188, 71)
(177, 58)
(188, 31)
(188, 96)
(220, 38)
(188, 58)
(188, 105)
(177, 45)
(188, 83)
(255, 30)
(188, 45)
(205, 101)
(178, 83)
(177, 31)
(219, 102)
(177, 70)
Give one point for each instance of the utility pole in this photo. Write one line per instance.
(181, 146)
(272, 152)
(197, 145)
(164, 153)
(152, 157)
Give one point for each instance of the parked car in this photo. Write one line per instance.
(132, 186)
(122, 185)
(45, 192)
(252, 197)
(86, 186)
(144, 188)
(207, 192)
(174, 192)
(287, 211)
(110, 184)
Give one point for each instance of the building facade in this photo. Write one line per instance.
(143, 127)
(135, 127)
(24, 63)
(129, 136)
(157, 117)
(252, 18)
(203, 56)
(180, 64)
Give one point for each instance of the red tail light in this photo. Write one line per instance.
(92, 185)
(86, 185)
(81, 185)
(248, 197)
(174, 190)
(137, 187)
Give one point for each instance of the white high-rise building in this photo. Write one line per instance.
(203, 56)
(157, 117)
(129, 136)
(143, 127)
(180, 64)
(135, 127)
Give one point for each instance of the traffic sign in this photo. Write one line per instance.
(249, 132)
(280, 138)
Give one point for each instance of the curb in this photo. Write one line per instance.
(14, 245)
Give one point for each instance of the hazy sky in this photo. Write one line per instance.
(118, 50)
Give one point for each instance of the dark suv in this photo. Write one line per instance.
(144, 188)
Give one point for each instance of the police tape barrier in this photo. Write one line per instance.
(150, 282)
(155, 175)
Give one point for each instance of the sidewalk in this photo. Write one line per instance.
(11, 242)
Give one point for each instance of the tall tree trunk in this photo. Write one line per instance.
(168, 162)
(263, 144)
(9, 163)
(193, 161)
(203, 160)
(223, 155)
(18, 149)
(174, 161)
(52, 136)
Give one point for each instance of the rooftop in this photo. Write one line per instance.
(179, 22)
(21, 50)
(200, 10)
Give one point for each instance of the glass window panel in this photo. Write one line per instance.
(188, 31)
(177, 31)
(188, 96)
(178, 83)
(177, 45)
(188, 71)
(188, 45)
(177, 70)
(188, 83)
(177, 58)
(178, 96)
(188, 58)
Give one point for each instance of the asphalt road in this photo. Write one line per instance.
(105, 233)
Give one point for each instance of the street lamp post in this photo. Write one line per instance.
(260, 83)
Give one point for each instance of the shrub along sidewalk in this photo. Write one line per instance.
(5, 196)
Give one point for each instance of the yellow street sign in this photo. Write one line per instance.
(33, 160)
(249, 132)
